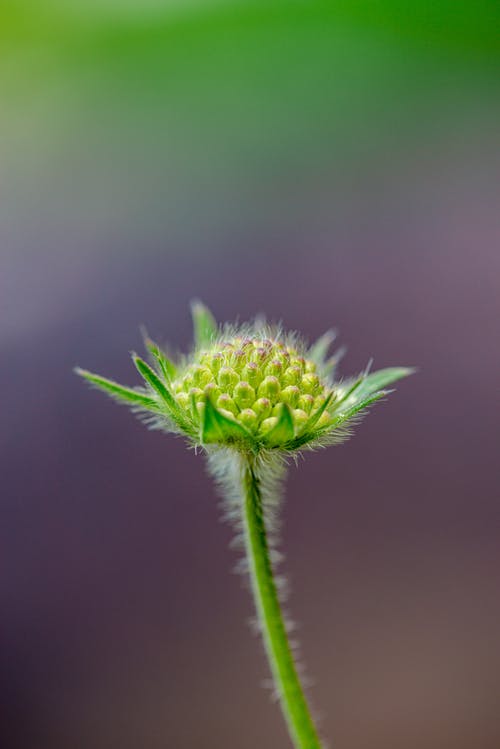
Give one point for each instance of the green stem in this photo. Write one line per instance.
(293, 702)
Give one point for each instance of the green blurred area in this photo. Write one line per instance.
(158, 108)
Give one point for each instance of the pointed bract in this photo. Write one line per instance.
(120, 393)
(319, 349)
(167, 367)
(204, 325)
(283, 431)
(167, 399)
(341, 417)
(375, 381)
(218, 428)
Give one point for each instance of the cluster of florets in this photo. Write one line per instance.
(250, 389)
(250, 379)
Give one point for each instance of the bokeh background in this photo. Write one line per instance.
(325, 163)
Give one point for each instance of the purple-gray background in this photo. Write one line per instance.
(121, 625)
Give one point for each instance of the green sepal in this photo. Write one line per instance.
(376, 381)
(283, 431)
(329, 367)
(204, 325)
(218, 428)
(318, 351)
(167, 367)
(352, 387)
(172, 407)
(344, 416)
(118, 392)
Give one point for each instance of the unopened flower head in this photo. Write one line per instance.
(252, 388)
(265, 385)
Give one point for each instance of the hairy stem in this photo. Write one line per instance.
(279, 654)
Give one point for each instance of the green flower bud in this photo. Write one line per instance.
(248, 417)
(227, 414)
(292, 376)
(182, 399)
(306, 403)
(268, 424)
(260, 355)
(238, 359)
(262, 408)
(270, 388)
(290, 395)
(251, 374)
(226, 403)
(299, 418)
(197, 394)
(202, 376)
(227, 378)
(212, 391)
(244, 395)
(298, 361)
(216, 361)
(310, 383)
(318, 401)
(274, 368)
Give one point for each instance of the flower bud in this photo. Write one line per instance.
(238, 359)
(260, 355)
(244, 394)
(251, 374)
(226, 403)
(202, 376)
(227, 378)
(290, 395)
(274, 368)
(262, 408)
(268, 424)
(310, 383)
(212, 391)
(182, 399)
(298, 361)
(269, 388)
(197, 394)
(306, 402)
(292, 376)
(262, 383)
(248, 418)
(216, 362)
(299, 418)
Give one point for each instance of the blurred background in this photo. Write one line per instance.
(327, 163)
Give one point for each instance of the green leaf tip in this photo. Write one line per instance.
(204, 324)
(379, 380)
(120, 393)
(218, 428)
(155, 383)
(167, 367)
(319, 349)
